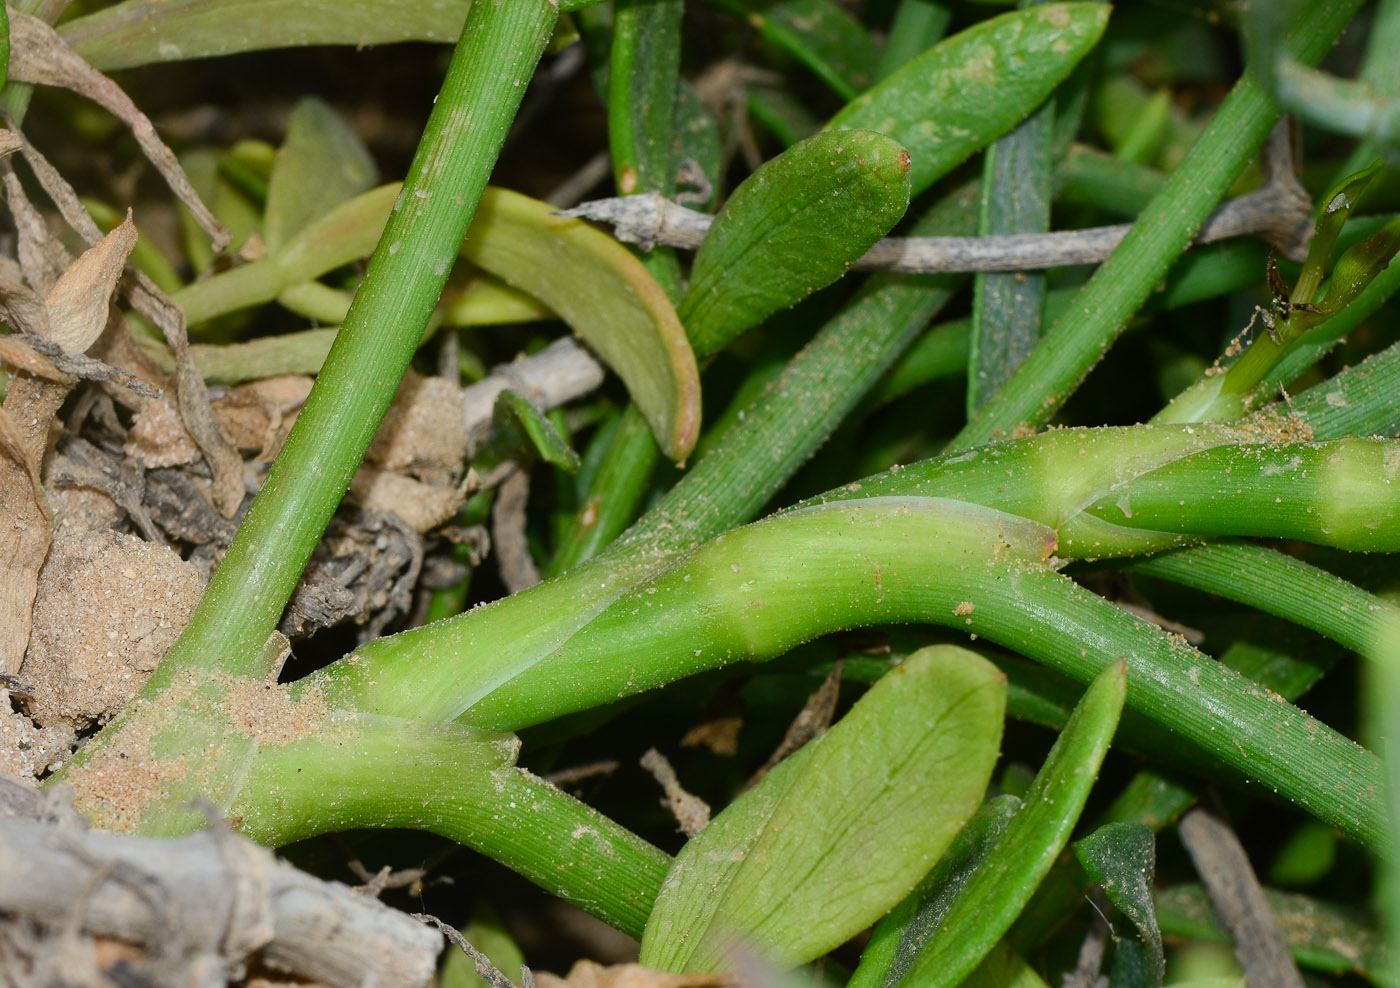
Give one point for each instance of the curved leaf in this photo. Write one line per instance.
(523, 432)
(1121, 857)
(842, 830)
(601, 290)
(141, 32)
(898, 938)
(819, 34)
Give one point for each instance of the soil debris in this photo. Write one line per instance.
(109, 607)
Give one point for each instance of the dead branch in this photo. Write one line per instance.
(209, 895)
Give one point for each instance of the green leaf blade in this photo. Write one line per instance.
(795, 225)
(523, 432)
(993, 898)
(842, 830)
(970, 89)
(321, 164)
(1121, 857)
(819, 34)
(898, 938)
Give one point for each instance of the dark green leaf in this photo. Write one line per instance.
(819, 34)
(520, 430)
(793, 226)
(971, 88)
(995, 895)
(898, 938)
(1121, 857)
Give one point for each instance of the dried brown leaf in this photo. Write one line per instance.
(38, 55)
(423, 506)
(78, 301)
(41, 258)
(26, 542)
(191, 395)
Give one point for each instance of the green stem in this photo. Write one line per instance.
(886, 560)
(458, 783)
(1079, 339)
(1282, 586)
(495, 57)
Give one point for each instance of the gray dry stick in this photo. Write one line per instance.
(209, 891)
(1239, 901)
(1279, 210)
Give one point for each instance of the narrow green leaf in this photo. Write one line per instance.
(613, 494)
(521, 430)
(142, 32)
(898, 938)
(1007, 306)
(1332, 215)
(1360, 266)
(602, 291)
(321, 164)
(917, 26)
(994, 897)
(695, 139)
(795, 225)
(784, 115)
(642, 74)
(1004, 968)
(1121, 857)
(819, 34)
(348, 232)
(971, 88)
(839, 832)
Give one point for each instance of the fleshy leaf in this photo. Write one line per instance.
(1121, 857)
(968, 90)
(602, 291)
(320, 164)
(144, 32)
(995, 896)
(1359, 266)
(842, 830)
(795, 225)
(1332, 215)
(898, 938)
